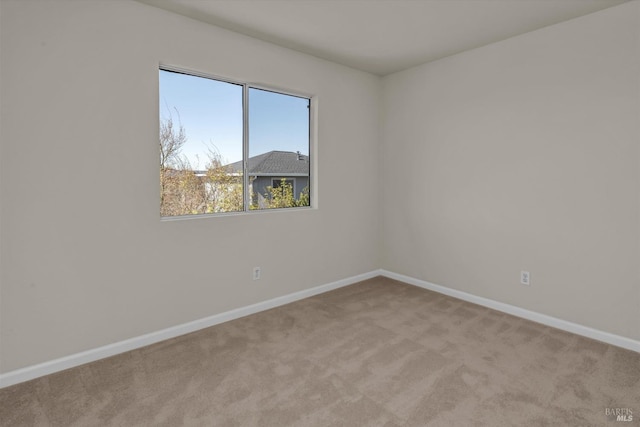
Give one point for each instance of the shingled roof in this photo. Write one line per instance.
(275, 163)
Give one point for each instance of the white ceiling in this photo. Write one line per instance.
(382, 36)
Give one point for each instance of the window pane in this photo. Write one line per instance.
(278, 148)
(200, 145)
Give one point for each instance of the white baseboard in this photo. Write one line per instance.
(46, 368)
(39, 370)
(554, 322)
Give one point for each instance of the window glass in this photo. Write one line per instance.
(278, 147)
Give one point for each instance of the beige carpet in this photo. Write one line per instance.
(377, 353)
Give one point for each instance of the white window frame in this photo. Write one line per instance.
(245, 143)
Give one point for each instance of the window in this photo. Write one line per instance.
(281, 182)
(230, 147)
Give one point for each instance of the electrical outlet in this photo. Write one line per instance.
(256, 273)
(525, 278)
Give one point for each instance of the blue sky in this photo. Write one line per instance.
(211, 113)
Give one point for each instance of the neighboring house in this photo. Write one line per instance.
(268, 170)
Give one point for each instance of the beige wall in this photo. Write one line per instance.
(86, 260)
(523, 155)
